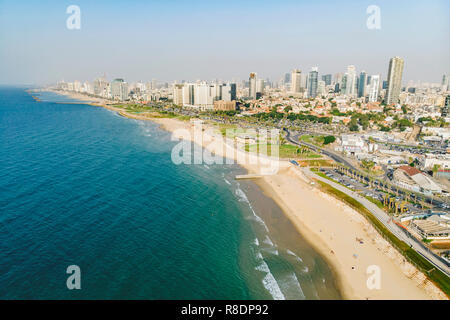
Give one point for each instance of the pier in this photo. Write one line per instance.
(248, 176)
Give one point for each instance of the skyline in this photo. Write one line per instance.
(180, 41)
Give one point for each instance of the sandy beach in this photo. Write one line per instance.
(332, 228)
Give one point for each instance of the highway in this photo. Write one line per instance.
(384, 218)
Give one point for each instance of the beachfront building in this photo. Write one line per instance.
(203, 96)
(435, 227)
(119, 90)
(352, 145)
(411, 178)
(178, 94)
(101, 87)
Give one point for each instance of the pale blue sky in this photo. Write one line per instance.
(198, 39)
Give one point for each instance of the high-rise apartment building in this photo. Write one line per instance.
(287, 78)
(312, 82)
(394, 80)
(229, 92)
(374, 88)
(362, 84)
(327, 79)
(252, 85)
(119, 89)
(296, 81)
(178, 94)
(445, 82)
(188, 94)
(349, 81)
(259, 88)
(100, 85)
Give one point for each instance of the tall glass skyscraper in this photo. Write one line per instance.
(362, 84)
(312, 83)
(394, 80)
(296, 80)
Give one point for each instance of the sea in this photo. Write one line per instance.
(81, 185)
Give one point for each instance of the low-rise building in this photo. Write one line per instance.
(413, 179)
(221, 105)
(434, 227)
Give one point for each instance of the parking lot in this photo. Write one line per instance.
(365, 190)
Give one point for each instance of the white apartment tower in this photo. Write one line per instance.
(394, 79)
(296, 81)
(374, 88)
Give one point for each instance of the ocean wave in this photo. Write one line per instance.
(271, 250)
(241, 195)
(270, 283)
(228, 182)
(268, 241)
(291, 286)
(293, 254)
(243, 198)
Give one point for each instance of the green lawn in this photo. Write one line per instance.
(285, 151)
(315, 140)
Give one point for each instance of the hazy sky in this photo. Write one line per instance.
(199, 39)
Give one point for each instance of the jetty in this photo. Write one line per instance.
(248, 176)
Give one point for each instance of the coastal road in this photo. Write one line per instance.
(294, 139)
(384, 218)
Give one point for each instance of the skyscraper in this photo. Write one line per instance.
(312, 83)
(229, 92)
(394, 80)
(188, 94)
(349, 81)
(445, 82)
(374, 87)
(252, 85)
(362, 84)
(296, 80)
(178, 94)
(119, 89)
(259, 88)
(287, 78)
(327, 79)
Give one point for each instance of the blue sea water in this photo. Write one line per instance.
(81, 185)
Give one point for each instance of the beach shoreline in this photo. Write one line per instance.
(329, 225)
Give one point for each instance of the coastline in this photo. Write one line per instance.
(330, 226)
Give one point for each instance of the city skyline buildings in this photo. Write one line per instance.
(82, 54)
